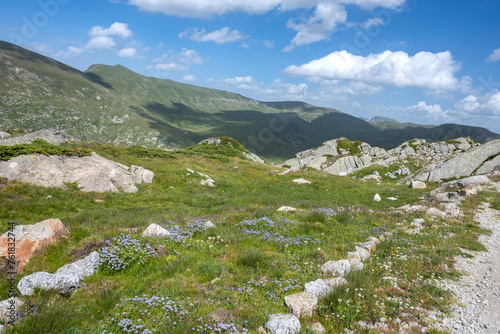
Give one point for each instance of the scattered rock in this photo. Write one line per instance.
(477, 180)
(418, 185)
(51, 136)
(434, 212)
(363, 253)
(301, 304)
(318, 288)
(335, 282)
(336, 268)
(317, 328)
(377, 198)
(87, 173)
(208, 224)
(29, 238)
(356, 264)
(286, 209)
(208, 182)
(369, 245)
(283, 324)
(377, 178)
(66, 279)
(301, 181)
(253, 157)
(155, 230)
(8, 309)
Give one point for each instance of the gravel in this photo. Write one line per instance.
(478, 291)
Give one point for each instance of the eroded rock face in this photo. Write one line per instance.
(29, 238)
(464, 164)
(91, 173)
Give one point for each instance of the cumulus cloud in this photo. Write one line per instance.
(423, 70)
(318, 27)
(189, 78)
(276, 90)
(494, 56)
(100, 43)
(116, 29)
(371, 22)
(128, 53)
(221, 36)
(323, 21)
(239, 80)
(178, 61)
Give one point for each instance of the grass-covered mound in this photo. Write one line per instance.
(231, 277)
(39, 146)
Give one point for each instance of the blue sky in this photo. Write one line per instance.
(429, 62)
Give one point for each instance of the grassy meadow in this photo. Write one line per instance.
(230, 277)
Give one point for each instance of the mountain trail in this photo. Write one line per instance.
(478, 291)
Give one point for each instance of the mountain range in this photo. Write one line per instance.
(114, 104)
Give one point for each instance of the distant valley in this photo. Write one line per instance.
(115, 104)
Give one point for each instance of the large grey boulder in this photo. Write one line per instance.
(52, 136)
(65, 280)
(336, 268)
(91, 173)
(302, 304)
(463, 164)
(283, 324)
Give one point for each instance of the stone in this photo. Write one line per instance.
(301, 304)
(4, 135)
(208, 224)
(336, 268)
(208, 182)
(490, 166)
(468, 191)
(286, 209)
(335, 282)
(317, 328)
(8, 309)
(369, 246)
(434, 212)
(253, 157)
(418, 185)
(374, 239)
(318, 288)
(66, 279)
(155, 230)
(283, 324)
(356, 264)
(29, 238)
(354, 255)
(462, 164)
(477, 180)
(88, 173)
(377, 178)
(363, 253)
(377, 198)
(301, 181)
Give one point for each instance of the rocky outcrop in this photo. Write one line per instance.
(88, 173)
(29, 238)
(481, 158)
(52, 136)
(333, 156)
(65, 280)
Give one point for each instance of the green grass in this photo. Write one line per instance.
(242, 269)
(39, 146)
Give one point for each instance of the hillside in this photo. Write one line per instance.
(115, 104)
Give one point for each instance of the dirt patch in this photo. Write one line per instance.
(89, 248)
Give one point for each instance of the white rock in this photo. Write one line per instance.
(418, 185)
(318, 288)
(155, 230)
(377, 198)
(336, 268)
(301, 181)
(302, 304)
(283, 324)
(286, 209)
(8, 309)
(208, 182)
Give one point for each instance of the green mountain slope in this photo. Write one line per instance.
(115, 104)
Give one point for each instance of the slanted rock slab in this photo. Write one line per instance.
(283, 324)
(301, 304)
(29, 238)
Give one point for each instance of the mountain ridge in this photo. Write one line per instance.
(114, 104)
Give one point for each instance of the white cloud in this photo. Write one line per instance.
(116, 29)
(277, 90)
(180, 61)
(204, 8)
(239, 80)
(423, 70)
(494, 56)
(268, 44)
(100, 43)
(128, 53)
(189, 78)
(72, 51)
(221, 36)
(374, 21)
(318, 27)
